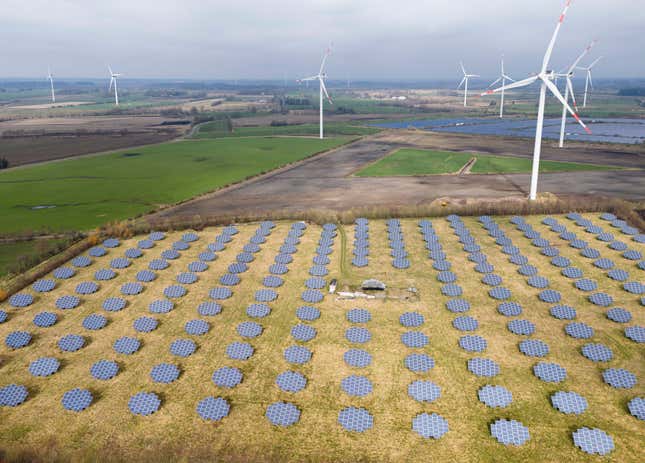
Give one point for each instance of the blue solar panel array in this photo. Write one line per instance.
(509, 432)
(593, 441)
(428, 426)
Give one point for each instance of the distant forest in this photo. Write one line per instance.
(640, 91)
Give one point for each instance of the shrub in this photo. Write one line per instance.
(4, 163)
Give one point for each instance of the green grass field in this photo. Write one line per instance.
(428, 162)
(92, 191)
(41, 430)
(217, 129)
(11, 252)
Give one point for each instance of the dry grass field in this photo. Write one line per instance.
(41, 429)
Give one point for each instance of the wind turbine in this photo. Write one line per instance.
(113, 80)
(569, 88)
(545, 77)
(502, 78)
(588, 81)
(465, 80)
(51, 82)
(320, 77)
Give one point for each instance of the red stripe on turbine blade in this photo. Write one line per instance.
(561, 18)
(489, 92)
(576, 117)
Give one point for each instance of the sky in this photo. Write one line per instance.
(259, 39)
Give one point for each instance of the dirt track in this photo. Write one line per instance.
(326, 182)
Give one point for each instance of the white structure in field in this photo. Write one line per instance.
(465, 81)
(320, 77)
(114, 77)
(51, 83)
(502, 78)
(588, 80)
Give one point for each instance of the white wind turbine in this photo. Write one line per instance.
(588, 81)
(568, 90)
(465, 81)
(113, 81)
(320, 77)
(502, 78)
(51, 83)
(545, 77)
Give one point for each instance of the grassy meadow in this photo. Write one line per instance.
(218, 129)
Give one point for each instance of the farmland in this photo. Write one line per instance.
(218, 129)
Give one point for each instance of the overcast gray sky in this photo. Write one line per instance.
(379, 39)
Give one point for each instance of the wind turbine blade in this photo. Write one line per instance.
(549, 50)
(590, 79)
(509, 78)
(111, 82)
(572, 93)
(521, 83)
(551, 86)
(110, 69)
(494, 83)
(595, 62)
(308, 78)
(462, 82)
(582, 55)
(324, 60)
(322, 84)
(463, 69)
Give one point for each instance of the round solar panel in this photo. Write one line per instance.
(419, 363)
(209, 308)
(518, 259)
(357, 358)
(458, 305)
(569, 402)
(144, 403)
(63, 273)
(145, 244)
(111, 243)
(312, 296)
(579, 330)
(473, 343)
(170, 254)
(197, 266)
(509, 432)
(249, 329)
(634, 287)
(104, 369)
(590, 253)
(157, 236)
(495, 396)
(441, 265)
(238, 267)
(559, 261)
(424, 391)
(43, 285)
(465, 323)
(586, 284)
(550, 372)
(146, 276)
(550, 251)
(229, 279)
(239, 350)
(606, 237)
(186, 278)
(45, 319)
(257, 239)
(120, 262)
(619, 378)
(636, 407)
(355, 419)
(601, 299)
(131, 289)
(303, 333)
(217, 246)
(578, 244)
(521, 327)
(94, 322)
(499, 293)
(197, 327)
(401, 264)
(283, 414)
(3, 316)
(180, 246)
(133, 253)
(174, 291)
(538, 282)
(451, 290)
(228, 377)
(104, 274)
(604, 264)
(527, 270)
(158, 264)
(278, 269)
(597, 352)
(307, 313)
(572, 272)
(593, 441)
(114, 304)
(550, 296)
(97, 251)
(213, 409)
(245, 257)
(509, 309)
(297, 354)
(446, 277)
(291, 381)
(272, 281)
(414, 339)
(635, 333)
(258, 310)
(618, 275)
(164, 373)
(71, 342)
(632, 255)
(220, 293)
(161, 306)
(182, 347)
(44, 366)
(480, 366)
(145, 324)
(265, 295)
(87, 287)
(534, 348)
(641, 265)
(283, 259)
(77, 400)
(492, 279)
(81, 261)
(411, 319)
(67, 302)
(477, 257)
(207, 256)
(126, 345)
(314, 283)
(619, 315)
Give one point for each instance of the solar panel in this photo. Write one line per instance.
(170, 254)
(87, 287)
(120, 262)
(303, 333)
(495, 396)
(111, 243)
(619, 315)
(180, 246)
(104, 369)
(593, 441)
(144, 403)
(94, 322)
(550, 372)
(321, 260)
(239, 350)
(441, 265)
(550, 296)
(197, 327)
(133, 253)
(618, 275)
(3, 316)
(265, 295)
(465, 323)
(355, 419)
(451, 290)
(473, 343)
(641, 265)
(636, 407)
(518, 259)
(81, 261)
(534, 348)
(164, 373)
(619, 378)
(312, 296)
(559, 261)
(499, 293)
(604, 264)
(632, 255)
(161, 306)
(291, 381)
(480, 366)
(258, 310)
(145, 244)
(126, 345)
(197, 266)
(146, 276)
(104, 274)
(579, 330)
(157, 236)
(538, 282)
(228, 377)
(509, 309)
(509, 432)
(297, 354)
(174, 291)
(145, 324)
(617, 246)
(590, 253)
(521, 327)
(639, 238)
(635, 333)
(412, 339)
(114, 304)
(209, 308)
(43, 285)
(307, 313)
(44, 366)
(249, 329)
(283, 414)
(220, 293)
(278, 269)
(458, 305)
(45, 319)
(217, 246)
(634, 287)
(158, 264)
(401, 264)
(272, 281)
(597, 352)
(97, 251)
(411, 319)
(527, 270)
(492, 279)
(182, 347)
(71, 342)
(229, 279)
(186, 278)
(207, 256)
(63, 273)
(601, 299)
(77, 400)
(131, 289)
(67, 302)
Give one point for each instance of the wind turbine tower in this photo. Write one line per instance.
(51, 83)
(320, 77)
(114, 77)
(465, 81)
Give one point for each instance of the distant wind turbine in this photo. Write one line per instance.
(502, 78)
(320, 77)
(588, 81)
(569, 90)
(51, 83)
(114, 77)
(545, 77)
(465, 81)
